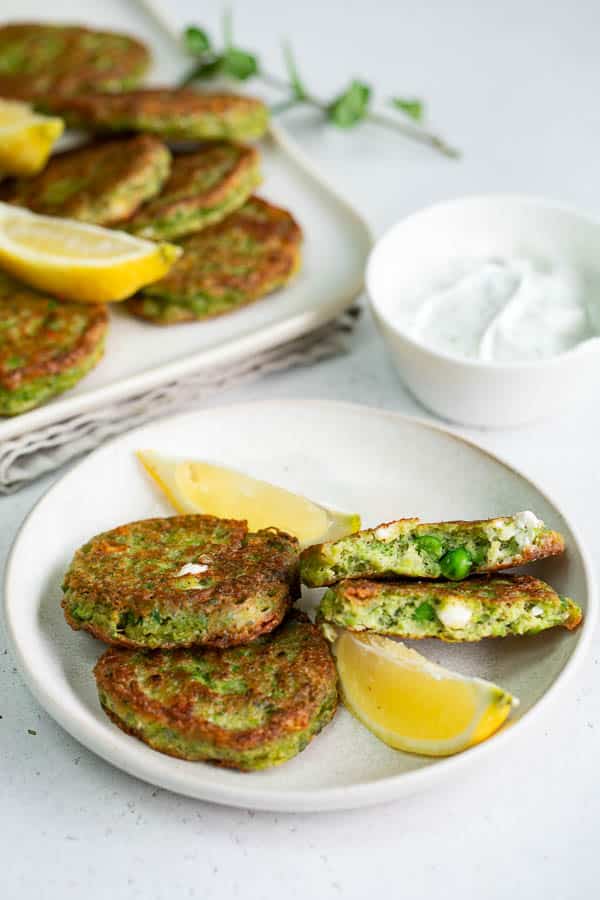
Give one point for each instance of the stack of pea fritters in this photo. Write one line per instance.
(369, 574)
(236, 246)
(208, 658)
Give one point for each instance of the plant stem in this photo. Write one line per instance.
(409, 131)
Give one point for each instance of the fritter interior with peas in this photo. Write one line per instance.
(450, 550)
(464, 611)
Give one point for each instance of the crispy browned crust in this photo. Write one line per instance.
(101, 168)
(178, 185)
(550, 543)
(507, 589)
(103, 110)
(227, 639)
(115, 674)
(216, 262)
(118, 576)
(75, 69)
(39, 348)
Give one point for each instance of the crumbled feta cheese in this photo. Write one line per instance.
(528, 520)
(504, 530)
(455, 615)
(537, 611)
(191, 569)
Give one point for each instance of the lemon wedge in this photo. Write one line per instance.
(199, 487)
(26, 138)
(412, 704)
(76, 261)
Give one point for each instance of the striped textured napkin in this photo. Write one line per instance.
(40, 451)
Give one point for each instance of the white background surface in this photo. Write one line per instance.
(514, 85)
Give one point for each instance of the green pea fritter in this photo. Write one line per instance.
(203, 188)
(39, 61)
(46, 346)
(414, 549)
(180, 581)
(251, 253)
(246, 708)
(466, 611)
(101, 183)
(175, 114)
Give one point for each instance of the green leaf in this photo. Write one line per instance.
(413, 107)
(208, 69)
(196, 41)
(296, 84)
(351, 107)
(239, 64)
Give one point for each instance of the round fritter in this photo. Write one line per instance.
(246, 708)
(180, 581)
(39, 59)
(203, 188)
(46, 346)
(176, 114)
(102, 183)
(251, 253)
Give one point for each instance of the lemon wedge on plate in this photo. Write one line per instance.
(76, 261)
(26, 138)
(412, 704)
(199, 487)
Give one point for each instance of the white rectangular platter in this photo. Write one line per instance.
(140, 356)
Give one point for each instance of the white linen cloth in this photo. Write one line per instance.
(39, 451)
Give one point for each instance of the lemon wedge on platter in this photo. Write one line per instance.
(412, 704)
(200, 487)
(76, 261)
(26, 138)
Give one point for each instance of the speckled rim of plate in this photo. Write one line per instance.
(328, 799)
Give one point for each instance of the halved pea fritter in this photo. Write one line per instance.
(101, 183)
(450, 550)
(467, 611)
(39, 61)
(251, 253)
(247, 707)
(180, 581)
(202, 189)
(171, 113)
(46, 346)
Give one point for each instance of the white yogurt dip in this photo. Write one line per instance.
(502, 309)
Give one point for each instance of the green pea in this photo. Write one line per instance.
(456, 564)
(424, 613)
(430, 545)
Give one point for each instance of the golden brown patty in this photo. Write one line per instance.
(251, 253)
(46, 346)
(246, 707)
(203, 188)
(38, 60)
(101, 183)
(177, 114)
(126, 586)
(487, 607)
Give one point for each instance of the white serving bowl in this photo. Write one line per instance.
(470, 391)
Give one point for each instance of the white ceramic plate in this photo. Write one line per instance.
(355, 458)
(140, 356)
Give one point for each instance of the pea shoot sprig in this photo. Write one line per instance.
(347, 109)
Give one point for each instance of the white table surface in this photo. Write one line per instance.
(514, 85)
